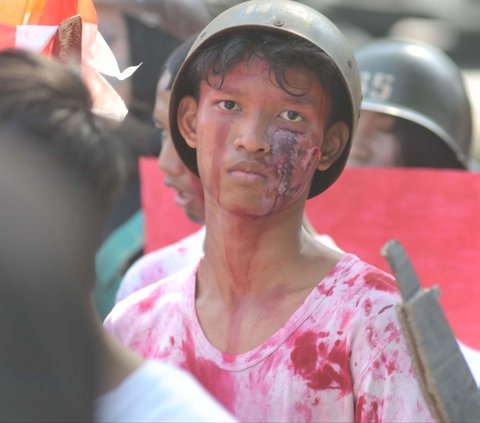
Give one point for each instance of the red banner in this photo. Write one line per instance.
(435, 214)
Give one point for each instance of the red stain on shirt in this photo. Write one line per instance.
(367, 307)
(385, 308)
(389, 363)
(366, 410)
(147, 303)
(350, 282)
(322, 369)
(392, 331)
(216, 380)
(371, 336)
(380, 282)
(325, 290)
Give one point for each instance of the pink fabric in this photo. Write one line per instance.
(340, 357)
(162, 263)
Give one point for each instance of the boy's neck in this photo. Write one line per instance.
(255, 274)
(242, 253)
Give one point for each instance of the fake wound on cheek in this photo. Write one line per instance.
(293, 156)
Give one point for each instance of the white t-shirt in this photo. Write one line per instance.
(162, 263)
(341, 356)
(158, 392)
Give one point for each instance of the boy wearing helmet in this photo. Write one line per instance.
(275, 325)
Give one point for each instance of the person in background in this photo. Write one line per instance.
(189, 195)
(73, 171)
(159, 264)
(415, 112)
(133, 41)
(277, 326)
(415, 109)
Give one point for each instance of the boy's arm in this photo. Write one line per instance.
(385, 385)
(388, 390)
(445, 377)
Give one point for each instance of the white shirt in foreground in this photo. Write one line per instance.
(158, 392)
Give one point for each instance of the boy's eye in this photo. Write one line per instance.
(228, 105)
(291, 116)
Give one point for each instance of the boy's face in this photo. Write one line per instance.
(258, 146)
(376, 142)
(187, 186)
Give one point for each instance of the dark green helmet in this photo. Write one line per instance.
(421, 84)
(278, 16)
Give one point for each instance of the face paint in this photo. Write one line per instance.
(294, 160)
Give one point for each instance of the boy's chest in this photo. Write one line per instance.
(304, 377)
(248, 325)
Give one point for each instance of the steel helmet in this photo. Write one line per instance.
(421, 84)
(277, 16)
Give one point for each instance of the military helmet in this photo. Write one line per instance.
(421, 84)
(284, 17)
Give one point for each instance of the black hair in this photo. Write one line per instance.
(48, 101)
(282, 51)
(176, 59)
(420, 147)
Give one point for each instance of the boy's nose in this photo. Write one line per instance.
(252, 136)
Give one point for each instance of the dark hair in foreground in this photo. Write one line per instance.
(59, 171)
(283, 52)
(43, 98)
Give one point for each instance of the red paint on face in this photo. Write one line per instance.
(261, 151)
(322, 369)
(293, 159)
(380, 282)
(218, 157)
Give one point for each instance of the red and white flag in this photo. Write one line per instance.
(66, 30)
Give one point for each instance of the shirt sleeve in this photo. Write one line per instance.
(386, 388)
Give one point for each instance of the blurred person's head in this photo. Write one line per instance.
(44, 99)
(188, 187)
(415, 109)
(60, 171)
(47, 360)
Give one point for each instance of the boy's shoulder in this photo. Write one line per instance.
(356, 285)
(154, 299)
(162, 263)
(354, 272)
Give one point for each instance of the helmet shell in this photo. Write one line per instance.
(278, 16)
(421, 84)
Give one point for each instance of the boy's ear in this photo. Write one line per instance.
(187, 120)
(334, 143)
